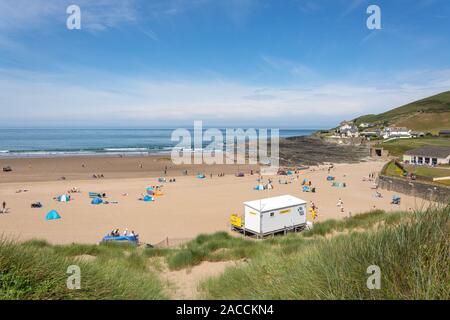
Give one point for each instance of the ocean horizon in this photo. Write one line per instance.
(53, 142)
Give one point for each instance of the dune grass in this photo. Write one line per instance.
(413, 255)
(327, 262)
(219, 246)
(37, 270)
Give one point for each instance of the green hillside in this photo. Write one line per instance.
(429, 114)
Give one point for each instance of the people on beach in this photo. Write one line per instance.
(132, 234)
(116, 233)
(340, 204)
(313, 209)
(4, 207)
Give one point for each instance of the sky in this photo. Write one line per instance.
(254, 63)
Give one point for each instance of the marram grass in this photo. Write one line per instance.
(412, 251)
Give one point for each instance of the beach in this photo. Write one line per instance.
(187, 208)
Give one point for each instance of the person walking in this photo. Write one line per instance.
(4, 207)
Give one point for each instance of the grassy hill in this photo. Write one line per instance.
(328, 262)
(429, 114)
(399, 146)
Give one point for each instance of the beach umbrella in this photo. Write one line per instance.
(150, 191)
(96, 201)
(201, 176)
(52, 215)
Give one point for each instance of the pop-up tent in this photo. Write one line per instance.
(150, 191)
(63, 198)
(201, 176)
(259, 187)
(330, 178)
(148, 198)
(132, 239)
(52, 215)
(338, 184)
(96, 201)
(395, 199)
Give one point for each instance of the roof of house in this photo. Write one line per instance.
(430, 151)
(396, 129)
(275, 203)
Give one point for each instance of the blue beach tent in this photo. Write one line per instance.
(132, 239)
(96, 201)
(259, 187)
(148, 198)
(52, 215)
(63, 198)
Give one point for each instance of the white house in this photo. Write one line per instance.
(396, 132)
(271, 215)
(428, 155)
(348, 129)
(365, 125)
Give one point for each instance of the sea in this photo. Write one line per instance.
(46, 142)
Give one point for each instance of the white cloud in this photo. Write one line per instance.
(24, 15)
(44, 98)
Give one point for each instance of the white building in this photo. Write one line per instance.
(348, 129)
(271, 215)
(428, 155)
(396, 132)
(365, 125)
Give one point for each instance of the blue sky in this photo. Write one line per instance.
(285, 63)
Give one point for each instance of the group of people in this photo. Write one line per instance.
(116, 233)
(98, 176)
(340, 205)
(307, 185)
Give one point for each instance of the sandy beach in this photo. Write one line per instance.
(189, 206)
